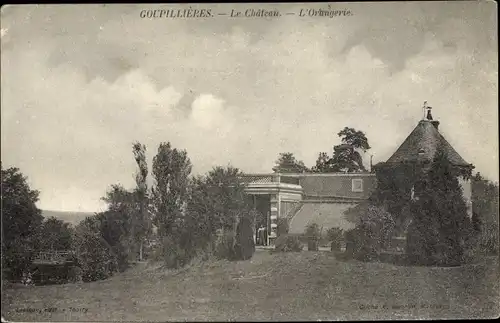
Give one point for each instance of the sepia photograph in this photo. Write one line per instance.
(321, 161)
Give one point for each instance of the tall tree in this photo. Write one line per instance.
(171, 170)
(218, 202)
(228, 194)
(287, 163)
(346, 156)
(118, 198)
(356, 139)
(119, 218)
(21, 221)
(346, 159)
(141, 227)
(440, 224)
(323, 163)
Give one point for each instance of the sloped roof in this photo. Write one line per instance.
(423, 143)
(326, 215)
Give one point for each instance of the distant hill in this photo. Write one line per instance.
(71, 217)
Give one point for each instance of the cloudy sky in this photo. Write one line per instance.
(80, 84)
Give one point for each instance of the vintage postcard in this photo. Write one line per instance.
(250, 162)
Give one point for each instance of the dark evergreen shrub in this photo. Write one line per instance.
(313, 236)
(440, 225)
(335, 236)
(245, 246)
(288, 243)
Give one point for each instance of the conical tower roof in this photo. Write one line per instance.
(422, 145)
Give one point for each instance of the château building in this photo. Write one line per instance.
(325, 198)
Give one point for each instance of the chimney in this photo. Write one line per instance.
(435, 123)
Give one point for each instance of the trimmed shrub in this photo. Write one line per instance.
(244, 246)
(283, 226)
(335, 236)
(313, 235)
(288, 243)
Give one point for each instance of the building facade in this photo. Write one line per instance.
(326, 198)
(307, 198)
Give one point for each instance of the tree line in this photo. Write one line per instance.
(178, 218)
(345, 157)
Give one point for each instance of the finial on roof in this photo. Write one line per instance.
(427, 111)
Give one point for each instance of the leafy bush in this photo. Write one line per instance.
(55, 235)
(95, 257)
(224, 246)
(21, 221)
(245, 246)
(335, 236)
(380, 225)
(283, 226)
(488, 240)
(361, 244)
(313, 235)
(288, 243)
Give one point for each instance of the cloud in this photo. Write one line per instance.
(76, 95)
(207, 111)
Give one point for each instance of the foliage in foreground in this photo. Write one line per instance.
(21, 221)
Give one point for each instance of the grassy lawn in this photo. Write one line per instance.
(292, 286)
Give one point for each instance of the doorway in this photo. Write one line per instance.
(262, 204)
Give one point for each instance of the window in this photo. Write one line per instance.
(357, 185)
